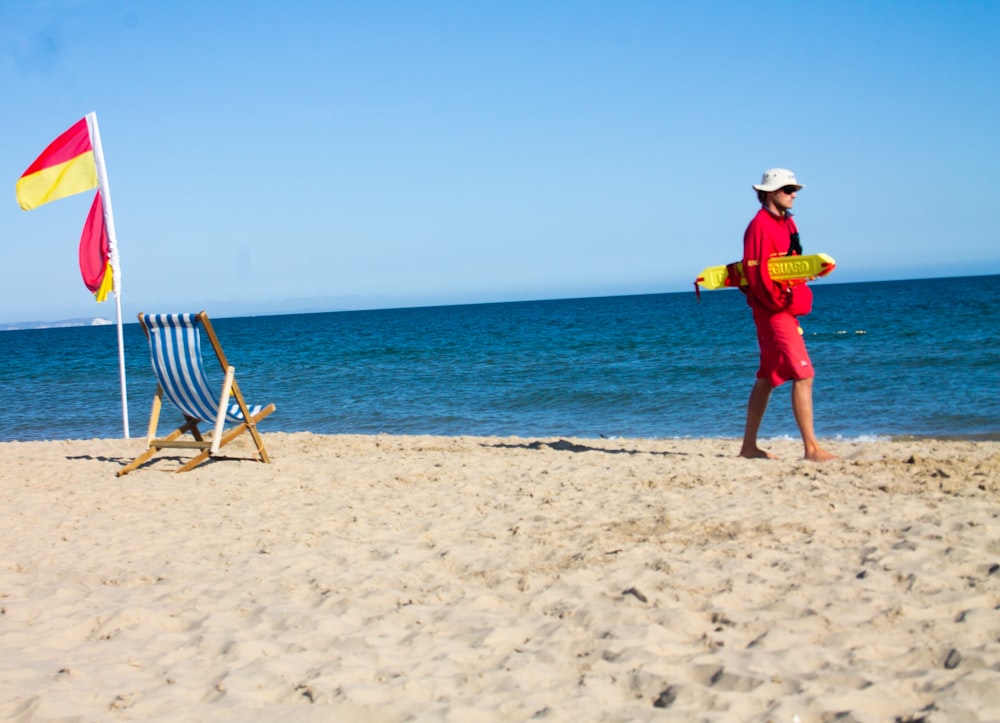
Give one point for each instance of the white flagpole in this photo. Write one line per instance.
(116, 271)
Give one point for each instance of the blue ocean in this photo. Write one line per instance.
(918, 357)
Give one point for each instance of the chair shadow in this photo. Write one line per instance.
(99, 458)
(564, 445)
(149, 465)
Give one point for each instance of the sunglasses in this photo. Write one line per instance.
(789, 190)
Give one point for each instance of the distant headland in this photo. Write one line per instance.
(89, 321)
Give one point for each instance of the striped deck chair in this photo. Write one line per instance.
(175, 346)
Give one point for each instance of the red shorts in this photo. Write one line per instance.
(783, 354)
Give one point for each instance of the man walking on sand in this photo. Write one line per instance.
(776, 307)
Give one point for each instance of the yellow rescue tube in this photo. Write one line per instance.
(782, 268)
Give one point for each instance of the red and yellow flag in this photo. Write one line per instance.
(95, 264)
(64, 168)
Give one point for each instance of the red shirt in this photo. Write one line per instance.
(766, 236)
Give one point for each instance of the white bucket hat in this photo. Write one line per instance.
(775, 178)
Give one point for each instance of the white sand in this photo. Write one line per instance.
(473, 579)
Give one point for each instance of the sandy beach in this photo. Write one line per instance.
(383, 578)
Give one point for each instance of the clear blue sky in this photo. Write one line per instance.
(291, 155)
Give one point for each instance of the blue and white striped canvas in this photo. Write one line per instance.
(175, 346)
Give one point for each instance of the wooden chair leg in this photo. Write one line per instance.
(150, 451)
(233, 434)
(257, 439)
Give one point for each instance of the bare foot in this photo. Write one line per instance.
(818, 454)
(756, 453)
